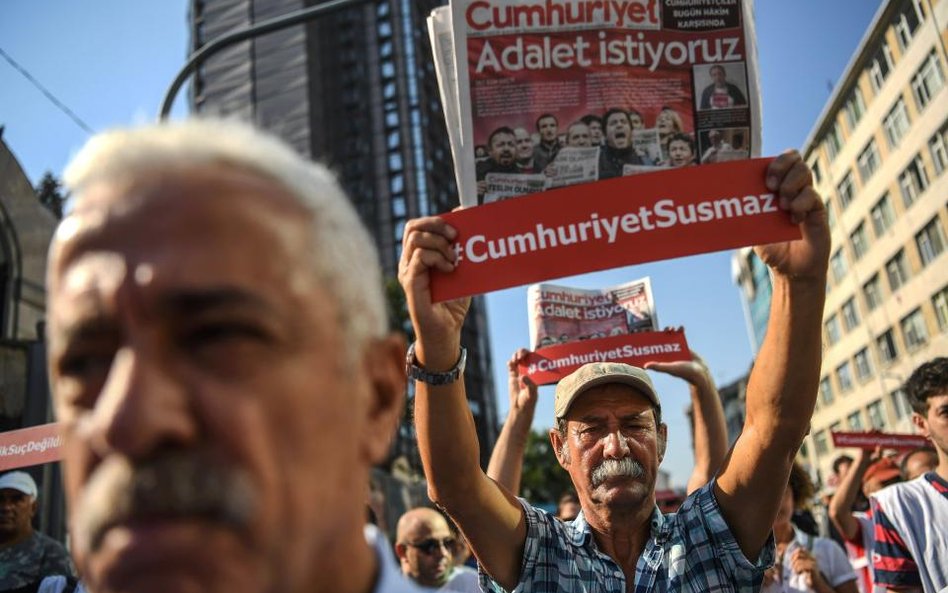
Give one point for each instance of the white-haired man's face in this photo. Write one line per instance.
(216, 431)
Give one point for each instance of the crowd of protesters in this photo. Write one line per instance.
(224, 383)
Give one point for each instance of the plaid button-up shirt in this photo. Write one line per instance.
(692, 550)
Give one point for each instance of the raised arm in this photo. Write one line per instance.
(506, 460)
(841, 505)
(710, 429)
(782, 388)
(492, 519)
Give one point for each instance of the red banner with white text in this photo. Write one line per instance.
(30, 446)
(550, 364)
(612, 223)
(871, 440)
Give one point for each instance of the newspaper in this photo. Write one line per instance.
(646, 84)
(562, 314)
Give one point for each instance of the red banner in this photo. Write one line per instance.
(30, 446)
(550, 364)
(871, 440)
(612, 223)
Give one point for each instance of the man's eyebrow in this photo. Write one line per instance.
(207, 299)
(93, 327)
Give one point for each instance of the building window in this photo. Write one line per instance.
(844, 375)
(887, 349)
(876, 414)
(882, 215)
(850, 315)
(896, 123)
(855, 108)
(900, 403)
(868, 160)
(930, 241)
(872, 292)
(836, 427)
(817, 173)
(826, 391)
(820, 442)
(897, 271)
(863, 364)
(914, 332)
(927, 81)
(937, 148)
(838, 265)
(906, 22)
(832, 329)
(940, 305)
(833, 142)
(854, 420)
(913, 181)
(858, 241)
(846, 190)
(880, 66)
(830, 212)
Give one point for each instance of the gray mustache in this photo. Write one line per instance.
(174, 484)
(616, 468)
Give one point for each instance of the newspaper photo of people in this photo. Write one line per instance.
(563, 314)
(559, 93)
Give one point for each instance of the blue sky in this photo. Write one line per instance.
(111, 61)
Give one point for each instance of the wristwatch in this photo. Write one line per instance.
(419, 373)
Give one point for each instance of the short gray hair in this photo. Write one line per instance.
(344, 253)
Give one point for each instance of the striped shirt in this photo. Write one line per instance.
(692, 550)
(910, 523)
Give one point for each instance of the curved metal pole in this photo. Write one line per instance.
(224, 41)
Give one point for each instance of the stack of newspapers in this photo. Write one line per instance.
(541, 94)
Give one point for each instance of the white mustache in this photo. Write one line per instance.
(173, 484)
(616, 468)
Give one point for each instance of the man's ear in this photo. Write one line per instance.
(34, 507)
(662, 440)
(384, 363)
(921, 423)
(400, 551)
(558, 443)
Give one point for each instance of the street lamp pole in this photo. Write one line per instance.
(225, 41)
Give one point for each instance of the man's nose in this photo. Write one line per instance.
(615, 446)
(142, 408)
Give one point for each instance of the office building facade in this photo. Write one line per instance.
(356, 90)
(879, 153)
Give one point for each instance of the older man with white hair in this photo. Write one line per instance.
(26, 555)
(221, 368)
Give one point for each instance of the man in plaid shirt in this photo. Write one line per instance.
(610, 438)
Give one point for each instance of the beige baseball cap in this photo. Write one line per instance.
(600, 373)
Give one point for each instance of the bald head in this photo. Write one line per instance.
(424, 547)
(420, 523)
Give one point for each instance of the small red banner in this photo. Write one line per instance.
(30, 446)
(871, 440)
(550, 364)
(607, 224)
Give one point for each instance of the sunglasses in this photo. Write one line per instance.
(428, 546)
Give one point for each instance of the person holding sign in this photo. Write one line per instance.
(610, 437)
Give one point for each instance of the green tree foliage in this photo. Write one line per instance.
(50, 195)
(397, 307)
(543, 479)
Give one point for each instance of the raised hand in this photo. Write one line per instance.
(805, 259)
(523, 391)
(426, 245)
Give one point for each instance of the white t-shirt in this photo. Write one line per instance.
(830, 557)
(914, 518)
(463, 580)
